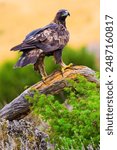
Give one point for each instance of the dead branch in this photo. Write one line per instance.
(55, 82)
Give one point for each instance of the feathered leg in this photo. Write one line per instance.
(58, 59)
(39, 66)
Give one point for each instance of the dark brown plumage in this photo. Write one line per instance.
(46, 41)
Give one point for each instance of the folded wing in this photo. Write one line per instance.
(49, 38)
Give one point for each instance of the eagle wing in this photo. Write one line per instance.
(49, 38)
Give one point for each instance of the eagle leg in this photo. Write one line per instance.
(39, 66)
(58, 59)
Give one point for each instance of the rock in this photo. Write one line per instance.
(21, 135)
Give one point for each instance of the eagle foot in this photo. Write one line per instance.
(65, 67)
(44, 78)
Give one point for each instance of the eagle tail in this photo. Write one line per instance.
(29, 57)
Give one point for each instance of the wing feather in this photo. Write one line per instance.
(49, 38)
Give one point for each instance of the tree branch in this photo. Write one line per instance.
(55, 82)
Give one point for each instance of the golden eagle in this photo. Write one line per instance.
(46, 41)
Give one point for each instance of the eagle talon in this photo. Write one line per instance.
(70, 65)
(66, 66)
(62, 72)
(44, 78)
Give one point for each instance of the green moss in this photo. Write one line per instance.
(75, 122)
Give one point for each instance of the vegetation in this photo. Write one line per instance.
(14, 81)
(74, 122)
(73, 118)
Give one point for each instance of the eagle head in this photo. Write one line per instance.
(61, 16)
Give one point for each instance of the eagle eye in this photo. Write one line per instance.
(65, 13)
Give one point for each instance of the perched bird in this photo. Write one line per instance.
(46, 41)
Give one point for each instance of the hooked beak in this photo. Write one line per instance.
(66, 13)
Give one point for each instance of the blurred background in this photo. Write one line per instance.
(17, 18)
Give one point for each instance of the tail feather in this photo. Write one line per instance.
(29, 57)
(24, 60)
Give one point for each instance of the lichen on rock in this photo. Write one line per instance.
(21, 135)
